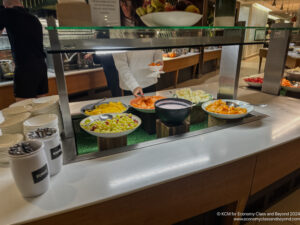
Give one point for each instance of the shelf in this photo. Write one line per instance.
(169, 28)
(90, 39)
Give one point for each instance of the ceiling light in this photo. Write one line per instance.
(274, 3)
(108, 52)
(273, 17)
(281, 8)
(259, 6)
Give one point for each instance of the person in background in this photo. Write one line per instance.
(110, 71)
(26, 39)
(108, 65)
(134, 73)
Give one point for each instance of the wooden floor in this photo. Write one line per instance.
(289, 204)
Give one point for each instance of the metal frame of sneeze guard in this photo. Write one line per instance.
(230, 69)
(68, 137)
(276, 58)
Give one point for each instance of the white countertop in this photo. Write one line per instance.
(87, 182)
(294, 55)
(52, 74)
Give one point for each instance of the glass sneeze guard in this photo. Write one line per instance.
(89, 39)
(76, 39)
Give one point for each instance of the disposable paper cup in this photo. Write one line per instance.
(30, 170)
(53, 151)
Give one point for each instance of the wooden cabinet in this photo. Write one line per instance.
(82, 81)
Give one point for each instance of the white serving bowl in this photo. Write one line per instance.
(13, 111)
(41, 121)
(291, 89)
(109, 135)
(7, 141)
(253, 84)
(294, 76)
(14, 124)
(156, 68)
(172, 18)
(92, 106)
(242, 104)
(143, 110)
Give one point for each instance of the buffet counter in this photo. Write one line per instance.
(190, 59)
(292, 60)
(77, 81)
(172, 181)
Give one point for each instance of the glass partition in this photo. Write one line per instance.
(108, 38)
(186, 40)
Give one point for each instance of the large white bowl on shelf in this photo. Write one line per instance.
(40, 121)
(109, 135)
(171, 19)
(242, 104)
(7, 141)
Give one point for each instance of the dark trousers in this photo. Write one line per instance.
(149, 89)
(111, 73)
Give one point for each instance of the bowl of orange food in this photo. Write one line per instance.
(145, 104)
(219, 109)
(293, 86)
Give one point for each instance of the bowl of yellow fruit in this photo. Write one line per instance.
(103, 108)
(162, 13)
(110, 125)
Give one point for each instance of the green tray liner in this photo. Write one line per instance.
(87, 143)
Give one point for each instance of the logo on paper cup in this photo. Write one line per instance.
(40, 174)
(55, 152)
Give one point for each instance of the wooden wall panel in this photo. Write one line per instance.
(6, 96)
(170, 202)
(276, 163)
(81, 82)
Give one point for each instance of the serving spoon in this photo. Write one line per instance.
(102, 117)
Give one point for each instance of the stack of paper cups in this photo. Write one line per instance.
(29, 168)
(52, 147)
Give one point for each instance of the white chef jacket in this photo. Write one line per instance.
(133, 68)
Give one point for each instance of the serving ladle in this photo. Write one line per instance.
(229, 104)
(237, 105)
(103, 117)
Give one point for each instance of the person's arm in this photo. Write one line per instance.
(125, 73)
